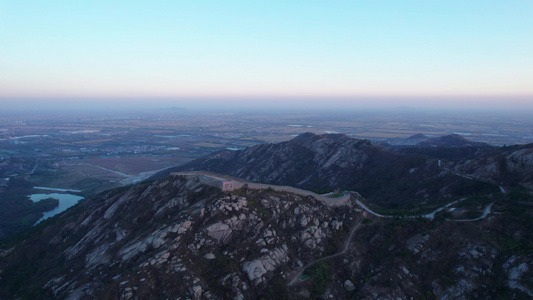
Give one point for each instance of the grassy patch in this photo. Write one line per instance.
(320, 276)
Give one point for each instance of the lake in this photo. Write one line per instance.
(65, 201)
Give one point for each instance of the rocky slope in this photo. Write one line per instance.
(173, 237)
(508, 166)
(324, 162)
(178, 239)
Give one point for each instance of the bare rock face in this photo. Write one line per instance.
(416, 243)
(520, 158)
(349, 285)
(258, 268)
(219, 231)
(209, 256)
(516, 268)
(255, 270)
(183, 238)
(510, 164)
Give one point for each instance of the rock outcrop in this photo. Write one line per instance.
(507, 166)
(142, 240)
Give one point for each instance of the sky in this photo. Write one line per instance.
(267, 53)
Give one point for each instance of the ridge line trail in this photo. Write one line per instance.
(346, 245)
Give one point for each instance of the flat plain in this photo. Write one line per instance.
(97, 151)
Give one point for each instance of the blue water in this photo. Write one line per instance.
(65, 201)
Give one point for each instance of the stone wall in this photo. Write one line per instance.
(342, 200)
(237, 184)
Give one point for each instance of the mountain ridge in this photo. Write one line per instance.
(176, 237)
(324, 162)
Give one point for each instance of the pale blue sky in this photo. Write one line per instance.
(267, 49)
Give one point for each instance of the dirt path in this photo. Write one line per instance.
(345, 249)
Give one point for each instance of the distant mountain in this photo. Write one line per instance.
(421, 140)
(451, 140)
(418, 136)
(330, 161)
(449, 147)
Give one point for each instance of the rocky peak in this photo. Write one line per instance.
(418, 136)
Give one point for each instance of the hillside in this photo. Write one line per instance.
(510, 166)
(176, 238)
(466, 233)
(143, 239)
(324, 162)
(448, 147)
(451, 140)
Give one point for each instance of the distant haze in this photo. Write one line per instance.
(510, 104)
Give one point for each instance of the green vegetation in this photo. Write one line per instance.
(428, 295)
(471, 205)
(17, 211)
(442, 216)
(47, 204)
(322, 191)
(336, 195)
(320, 276)
(518, 205)
(277, 289)
(255, 203)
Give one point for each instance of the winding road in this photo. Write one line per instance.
(297, 277)
(430, 216)
(483, 216)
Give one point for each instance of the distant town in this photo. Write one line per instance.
(96, 151)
